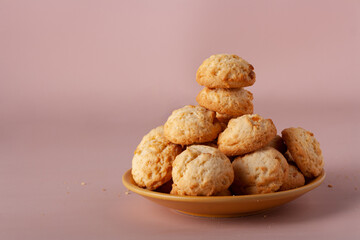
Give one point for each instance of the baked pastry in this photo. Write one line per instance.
(246, 134)
(262, 171)
(152, 161)
(192, 124)
(305, 151)
(294, 179)
(225, 71)
(201, 171)
(278, 143)
(234, 102)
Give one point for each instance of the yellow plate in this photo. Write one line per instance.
(222, 206)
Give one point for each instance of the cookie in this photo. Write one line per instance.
(152, 161)
(192, 124)
(246, 134)
(294, 179)
(305, 150)
(201, 171)
(234, 102)
(225, 71)
(262, 171)
(278, 143)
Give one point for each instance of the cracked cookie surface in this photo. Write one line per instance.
(201, 171)
(233, 102)
(246, 134)
(305, 151)
(192, 124)
(262, 171)
(153, 158)
(225, 71)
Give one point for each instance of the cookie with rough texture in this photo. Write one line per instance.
(192, 124)
(305, 150)
(153, 158)
(225, 71)
(278, 143)
(201, 171)
(234, 102)
(262, 171)
(293, 179)
(246, 134)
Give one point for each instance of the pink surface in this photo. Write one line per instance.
(82, 81)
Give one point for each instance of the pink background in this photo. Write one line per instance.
(82, 81)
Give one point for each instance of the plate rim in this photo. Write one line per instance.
(314, 183)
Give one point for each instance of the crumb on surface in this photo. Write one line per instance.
(67, 192)
(356, 188)
(330, 186)
(127, 192)
(265, 216)
(104, 189)
(83, 183)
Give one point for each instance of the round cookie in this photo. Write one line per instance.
(293, 179)
(278, 143)
(192, 124)
(201, 171)
(262, 171)
(234, 102)
(246, 134)
(152, 161)
(305, 150)
(225, 71)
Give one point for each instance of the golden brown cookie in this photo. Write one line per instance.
(278, 143)
(246, 134)
(152, 161)
(192, 124)
(305, 150)
(225, 71)
(262, 171)
(234, 102)
(293, 179)
(201, 171)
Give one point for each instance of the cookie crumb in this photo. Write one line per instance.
(104, 189)
(67, 192)
(265, 216)
(356, 188)
(127, 192)
(83, 183)
(330, 186)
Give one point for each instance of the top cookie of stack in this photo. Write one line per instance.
(224, 77)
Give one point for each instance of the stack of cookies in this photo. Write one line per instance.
(220, 147)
